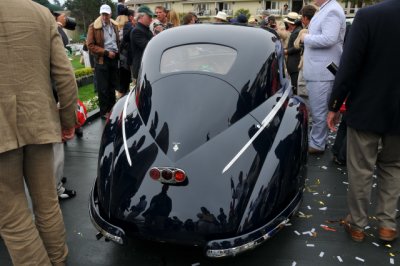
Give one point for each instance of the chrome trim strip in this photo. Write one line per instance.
(267, 120)
(128, 157)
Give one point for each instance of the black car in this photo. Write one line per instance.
(210, 147)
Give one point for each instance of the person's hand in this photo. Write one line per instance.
(111, 54)
(332, 119)
(67, 134)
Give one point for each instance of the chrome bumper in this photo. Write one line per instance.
(233, 246)
(108, 230)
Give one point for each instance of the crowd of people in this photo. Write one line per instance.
(37, 109)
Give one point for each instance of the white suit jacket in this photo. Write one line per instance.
(324, 43)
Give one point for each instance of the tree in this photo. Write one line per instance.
(86, 11)
(243, 11)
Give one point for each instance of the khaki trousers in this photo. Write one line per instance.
(28, 243)
(362, 156)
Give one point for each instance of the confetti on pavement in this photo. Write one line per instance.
(321, 254)
(346, 183)
(339, 258)
(310, 245)
(323, 208)
(375, 244)
(297, 233)
(328, 195)
(391, 261)
(196, 264)
(324, 167)
(294, 263)
(360, 259)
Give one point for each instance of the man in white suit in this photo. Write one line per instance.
(322, 45)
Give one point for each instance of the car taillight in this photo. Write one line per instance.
(179, 176)
(155, 173)
(166, 174)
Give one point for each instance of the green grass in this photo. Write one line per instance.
(86, 92)
(76, 62)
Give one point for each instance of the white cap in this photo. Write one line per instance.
(105, 9)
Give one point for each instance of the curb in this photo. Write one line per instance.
(92, 115)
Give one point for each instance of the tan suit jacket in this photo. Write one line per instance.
(31, 55)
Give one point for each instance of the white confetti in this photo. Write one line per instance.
(375, 244)
(360, 259)
(308, 207)
(367, 227)
(391, 261)
(340, 169)
(321, 254)
(374, 185)
(297, 233)
(324, 167)
(310, 245)
(196, 264)
(328, 195)
(374, 176)
(315, 193)
(294, 263)
(288, 224)
(339, 258)
(346, 183)
(323, 208)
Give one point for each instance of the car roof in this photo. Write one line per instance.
(253, 46)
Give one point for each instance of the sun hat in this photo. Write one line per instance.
(291, 17)
(221, 15)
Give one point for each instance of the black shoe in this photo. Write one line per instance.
(63, 180)
(79, 132)
(337, 161)
(68, 194)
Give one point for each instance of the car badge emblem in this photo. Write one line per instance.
(175, 147)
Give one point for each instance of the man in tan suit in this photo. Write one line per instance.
(32, 54)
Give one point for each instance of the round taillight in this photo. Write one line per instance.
(155, 173)
(166, 174)
(179, 176)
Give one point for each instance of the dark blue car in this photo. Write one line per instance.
(210, 147)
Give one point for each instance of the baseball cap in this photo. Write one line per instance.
(105, 9)
(146, 10)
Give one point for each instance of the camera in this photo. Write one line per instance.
(70, 23)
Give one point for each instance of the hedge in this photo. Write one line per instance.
(83, 72)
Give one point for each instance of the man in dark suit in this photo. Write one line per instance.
(368, 76)
(140, 36)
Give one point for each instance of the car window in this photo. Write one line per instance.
(198, 57)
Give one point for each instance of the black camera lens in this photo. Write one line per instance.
(70, 23)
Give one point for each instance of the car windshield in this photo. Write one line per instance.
(198, 57)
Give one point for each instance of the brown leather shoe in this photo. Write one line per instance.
(312, 150)
(387, 234)
(356, 235)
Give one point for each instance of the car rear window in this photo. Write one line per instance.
(211, 58)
